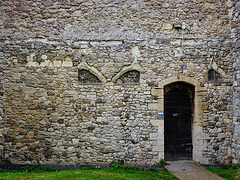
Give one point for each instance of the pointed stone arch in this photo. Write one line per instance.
(92, 70)
(135, 66)
(213, 66)
(197, 131)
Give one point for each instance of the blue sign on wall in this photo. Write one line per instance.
(160, 114)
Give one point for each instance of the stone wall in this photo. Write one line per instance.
(52, 117)
(236, 64)
(1, 102)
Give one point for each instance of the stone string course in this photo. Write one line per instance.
(47, 115)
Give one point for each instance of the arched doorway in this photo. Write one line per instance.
(178, 119)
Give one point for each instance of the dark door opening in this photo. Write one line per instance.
(178, 105)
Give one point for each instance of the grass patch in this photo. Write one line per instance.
(161, 164)
(230, 173)
(100, 174)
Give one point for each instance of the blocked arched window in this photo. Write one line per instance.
(84, 76)
(211, 75)
(130, 77)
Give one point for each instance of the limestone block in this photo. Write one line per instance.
(191, 42)
(68, 59)
(44, 57)
(201, 93)
(91, 96)
(176, 41)
(1, 132)
(210, 5)
(86, 50)
(61, 108)
(201, 89)
(198, 129)
(75, 141)
(178, 52)
(167, 26)
(77, 13)
(157, 122)
(135, 52)
(67, 64)
(161, 155)
(227, 121)
(30, 58)
(71, 149)
(235, 161)
(204, 105)
(124, 123)
(32, 64)
(119, 54)
(112, 43)
(15, 61)
(157, 137)
(160, 141)
(99, 119)
(46, 63)
(28, 90)
(203, 160)
(104, 69)
(154, 106)
(154, 160)
(71, 92)
(154, 136)
(157, 92)
(158, 148)
(95, 43)
(16, 76)
(57, 63)
(24, 148)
